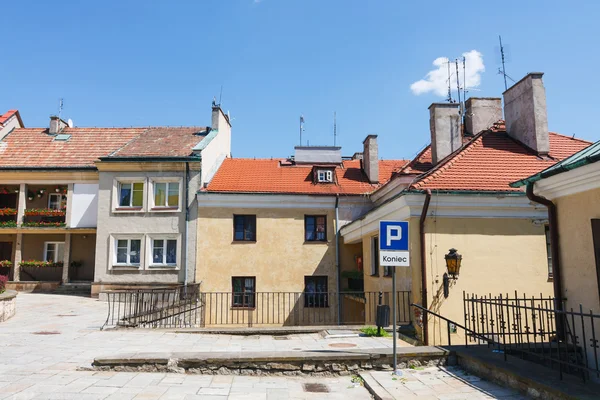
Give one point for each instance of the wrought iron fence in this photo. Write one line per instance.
(535, 329)
(299, 308)
(168, 307)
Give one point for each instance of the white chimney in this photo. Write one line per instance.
(56, 125)
(481, 113)
(370, 159)
(525, 113)
(444, 124)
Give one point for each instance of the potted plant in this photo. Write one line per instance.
(30, 196)
(3, 280)
(57, 189)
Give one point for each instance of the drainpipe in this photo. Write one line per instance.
(187, 217)
(554, 249)
(337, 257)
(424, 301)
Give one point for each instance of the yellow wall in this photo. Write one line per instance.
(499, 256)
(279, 259)
(580, 284)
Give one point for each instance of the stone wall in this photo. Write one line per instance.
(8, 304)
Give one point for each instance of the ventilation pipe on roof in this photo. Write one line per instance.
(525, 113)
(444, 124)
(370, 160)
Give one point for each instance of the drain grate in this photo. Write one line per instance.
(46, 333)
(66, 315)
(315, 388)
(281, 338)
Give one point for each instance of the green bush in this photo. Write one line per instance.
(372, 331)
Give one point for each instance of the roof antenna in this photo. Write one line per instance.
(60, 107)
(449, 99)
(221, 95)
(458, 84)
(301, 127)
(502, 71)
(334, 128)
(464, 79)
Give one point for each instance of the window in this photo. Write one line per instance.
(325, 176)
(244, 288)
(549, 251)
(244, 228)
(315, 291)
(315, 228)
(54, 251)
(128, 251)
(166, 194)
(56, 201)
(375, 256)
(131, 194)
(164, 252)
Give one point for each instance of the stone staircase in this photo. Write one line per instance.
(83, 289)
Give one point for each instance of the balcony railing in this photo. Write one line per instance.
(44, 217)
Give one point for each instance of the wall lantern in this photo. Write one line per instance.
(453, 260)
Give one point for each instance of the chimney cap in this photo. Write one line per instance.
(443, 105)
(372, 136)
(534, 75)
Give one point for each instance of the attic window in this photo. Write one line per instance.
(325, 176)
(62, 137)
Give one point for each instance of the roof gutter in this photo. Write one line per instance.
(554, 246)
(151, 159)
(424, 301)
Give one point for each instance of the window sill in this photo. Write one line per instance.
(243, 241)
(316, 242)
(387, 276)
(163, 266)
(242, 308)
(165, 209)
(377, 275)
(550, 279)
(327, 306)
(128, 209)
(126, 267)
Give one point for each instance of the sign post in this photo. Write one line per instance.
(393, 252)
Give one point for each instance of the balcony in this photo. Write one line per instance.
(8, 206)
(44, 217)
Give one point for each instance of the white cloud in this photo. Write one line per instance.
(436, 80)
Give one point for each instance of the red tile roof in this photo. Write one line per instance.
(492, 160)
(241, 175)
(163, 142)
(35, 148)
(9, 114)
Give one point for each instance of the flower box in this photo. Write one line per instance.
(51, 224)
(8, 224)
(6, 263)
(40, 264)
(45, 212)
(8, 211)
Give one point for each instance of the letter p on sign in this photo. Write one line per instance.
(393, 233)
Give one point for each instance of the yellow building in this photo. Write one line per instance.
(456, 195)
(571, 191)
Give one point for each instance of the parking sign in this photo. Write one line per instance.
(393, 243)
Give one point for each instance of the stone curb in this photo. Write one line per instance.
(377, 391)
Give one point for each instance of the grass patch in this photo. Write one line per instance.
(372, 331)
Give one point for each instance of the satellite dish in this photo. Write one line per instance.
(70, 123)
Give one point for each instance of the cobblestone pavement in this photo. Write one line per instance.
(439, 383)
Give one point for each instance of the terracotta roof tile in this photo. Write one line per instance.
(239, 175)
(163, 142)
(492, 160)
(7, 115)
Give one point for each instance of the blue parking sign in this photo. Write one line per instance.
(393, 235)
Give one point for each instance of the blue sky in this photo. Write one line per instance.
(139, 63)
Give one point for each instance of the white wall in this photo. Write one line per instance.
(84, 206)
(217, 149)
(13, 122)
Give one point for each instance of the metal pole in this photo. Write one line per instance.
(394, 317)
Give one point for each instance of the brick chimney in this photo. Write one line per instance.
(481, 113)
(56, 125)
(444, 124)
(525, 113)
(370, 160)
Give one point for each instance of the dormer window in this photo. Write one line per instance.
(325, 176)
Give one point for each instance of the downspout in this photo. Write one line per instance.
(424, 301)
(187, 217)
(337, 257)
(554, 250)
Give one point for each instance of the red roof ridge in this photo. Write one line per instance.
(452, 158)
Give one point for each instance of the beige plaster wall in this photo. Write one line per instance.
(580, 284)
(83, 249)
(279, 259)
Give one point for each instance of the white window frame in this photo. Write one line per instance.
(325, 175)
(56, 255)
(117, 195)
(60, 200)
(113, 251)
(165, 208)
(150, 250)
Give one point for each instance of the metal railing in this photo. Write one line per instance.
(168, 307)
(299, 308)
(535, 329)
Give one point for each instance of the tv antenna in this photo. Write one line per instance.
(458, 83)
(502, 70)
(60, 107)
(449, 98)
(301, 127)
(221, 95)
(334, 128)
